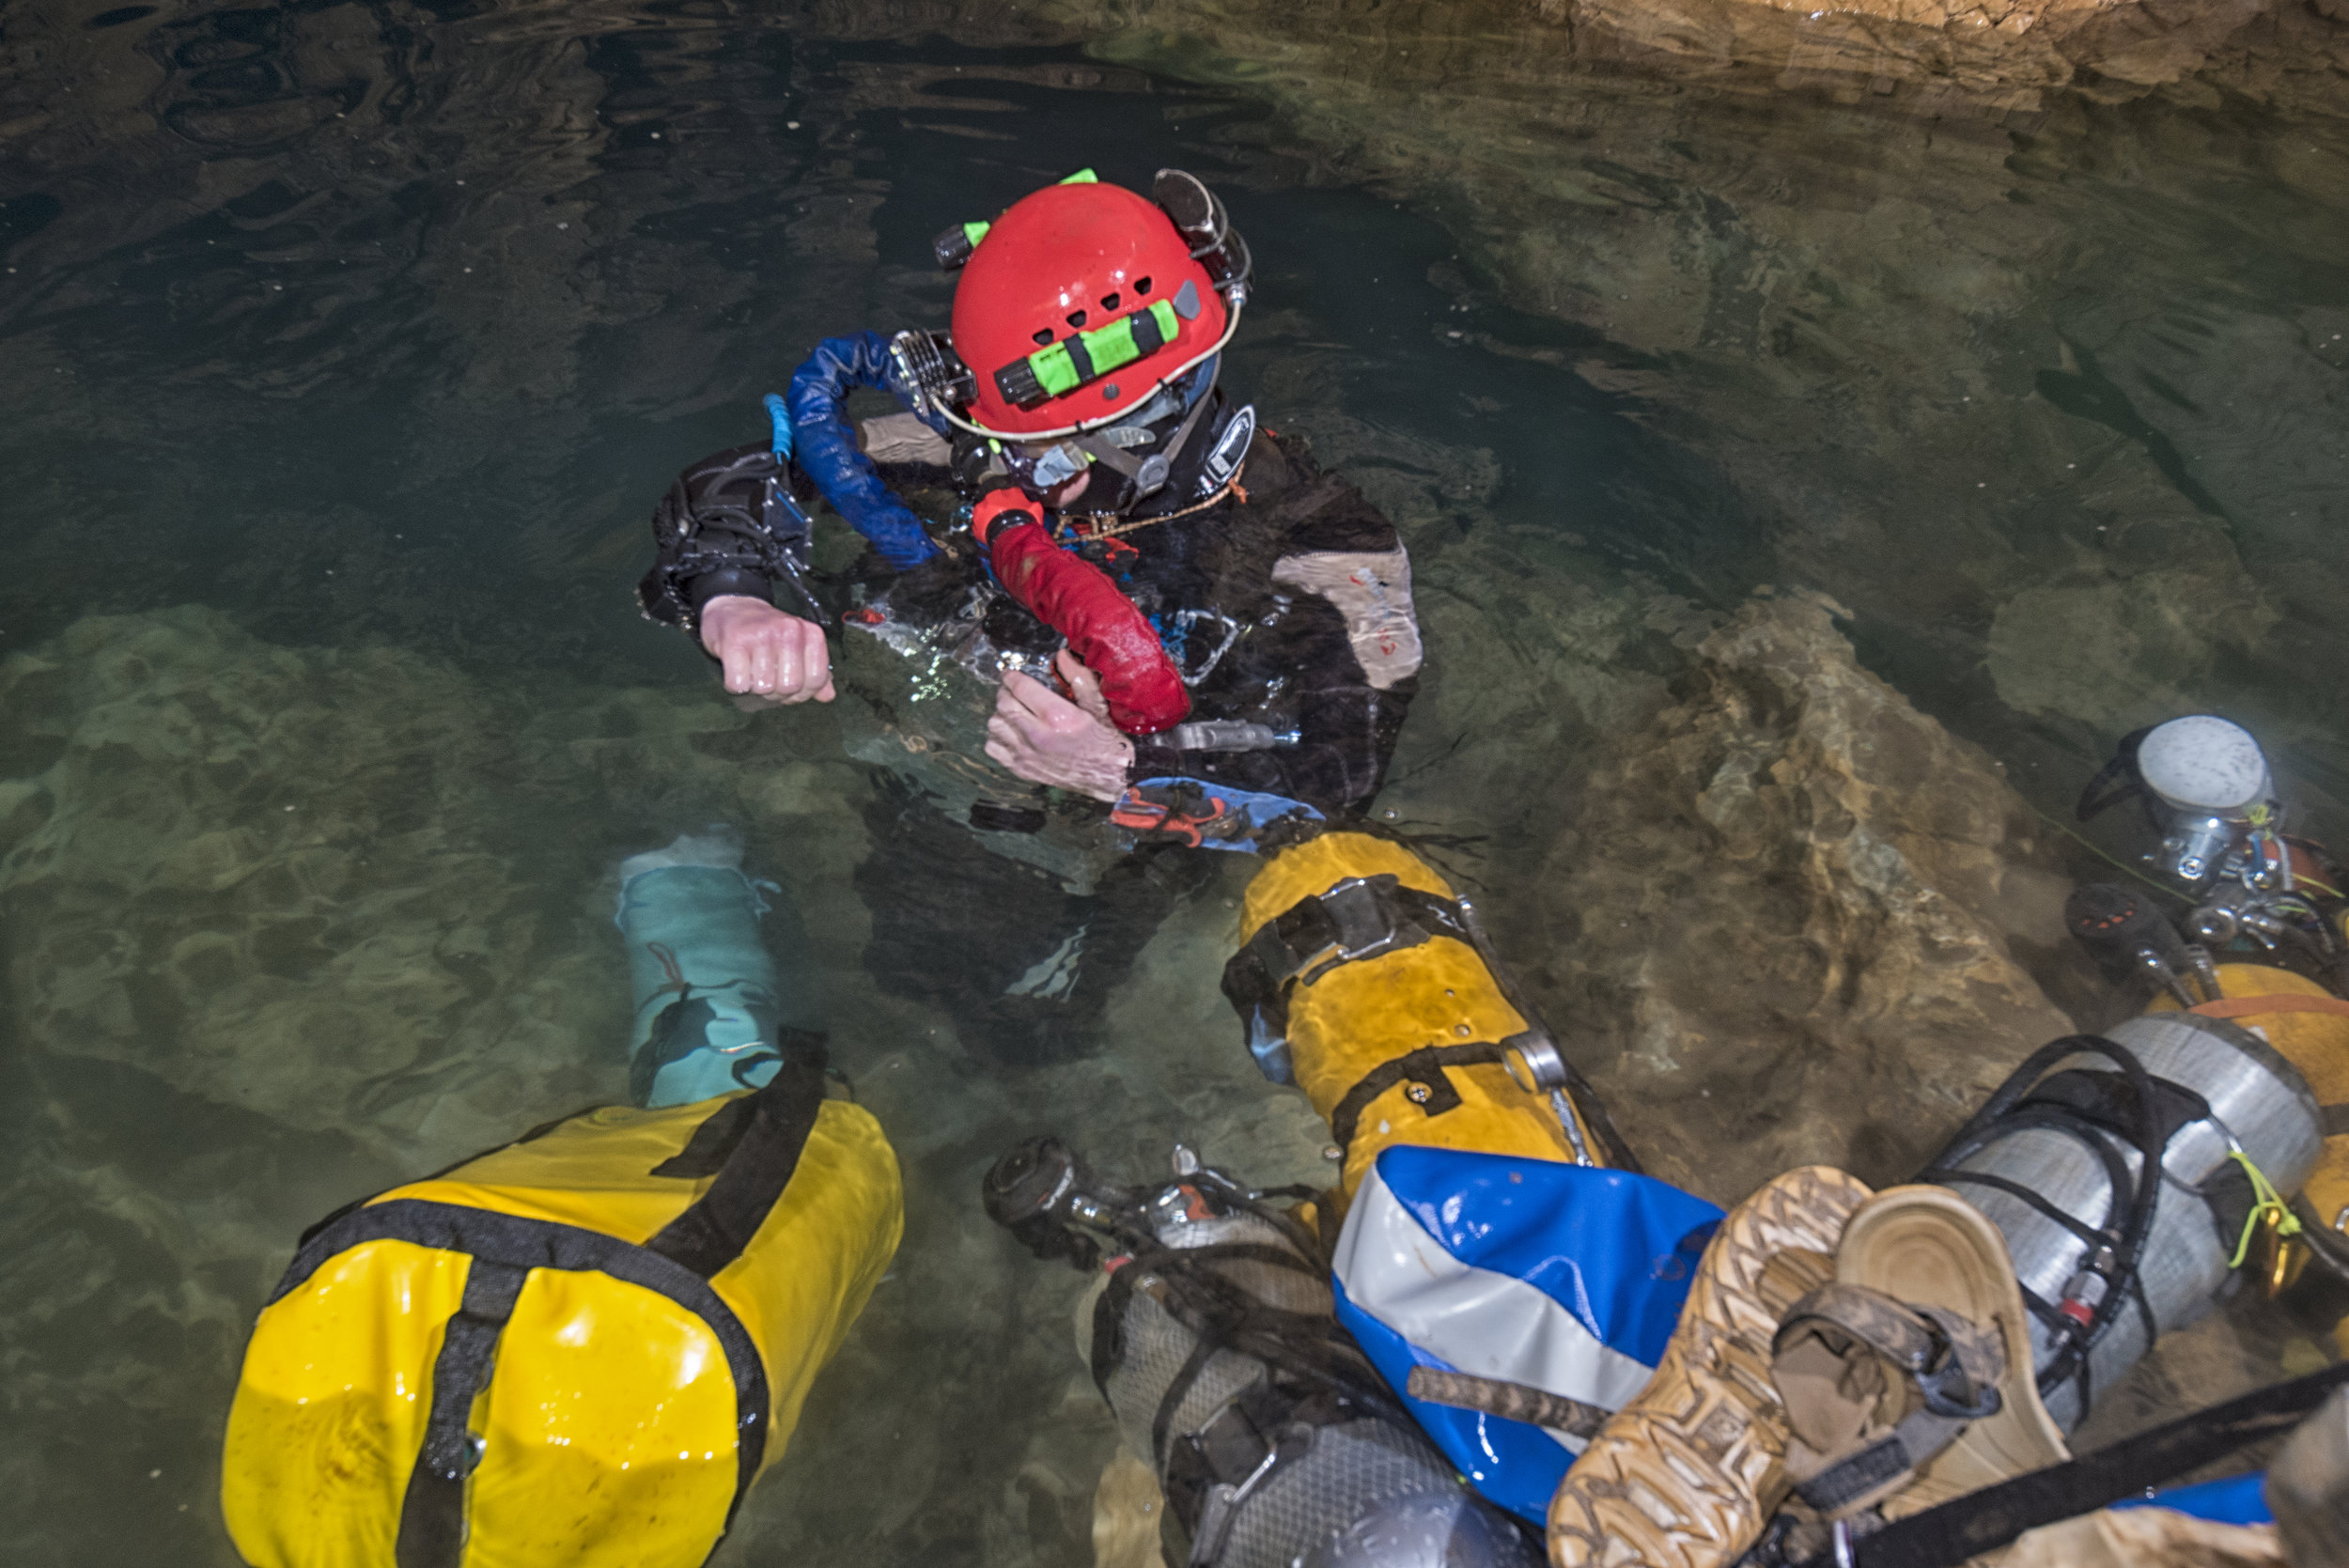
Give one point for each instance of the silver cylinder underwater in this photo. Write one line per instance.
(1255, 1477)
(2257, 1102)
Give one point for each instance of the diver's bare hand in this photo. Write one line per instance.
(766, 652)
(1045, 738)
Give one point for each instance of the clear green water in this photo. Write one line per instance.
(345, 348)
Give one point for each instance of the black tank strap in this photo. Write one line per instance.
(1983, 1521)
(1425, 1066)
(1203, 1350)
(1362, 917)
(2021, 1194)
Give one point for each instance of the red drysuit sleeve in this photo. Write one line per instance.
(1076, 598)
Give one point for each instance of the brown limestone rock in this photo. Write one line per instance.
(1798, 919)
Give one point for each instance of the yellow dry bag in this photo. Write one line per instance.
(577, 1349)
(1364, 979)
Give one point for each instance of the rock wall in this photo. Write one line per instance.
(1792, 920)
(1795, 920)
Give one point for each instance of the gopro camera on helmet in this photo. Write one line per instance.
(925, 365)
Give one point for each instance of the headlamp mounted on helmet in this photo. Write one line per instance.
(1157, 430)
(935, 377)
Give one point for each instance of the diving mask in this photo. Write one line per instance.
(1039, 468)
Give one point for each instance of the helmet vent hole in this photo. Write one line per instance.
(1044, 334)
(1142, 286)
(1109, 302)
(1077, 318)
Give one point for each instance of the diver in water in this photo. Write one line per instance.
(1130, 619)
(584, 1345)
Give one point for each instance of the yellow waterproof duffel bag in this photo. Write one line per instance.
(577, 1349)
(1360, 979)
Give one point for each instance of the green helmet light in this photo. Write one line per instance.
(953, 246)
(1061, 367)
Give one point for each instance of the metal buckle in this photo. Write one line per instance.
(1365, 922)
(1945, 1372)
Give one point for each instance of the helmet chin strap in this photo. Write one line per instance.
(1147, 474)
(1235, 304)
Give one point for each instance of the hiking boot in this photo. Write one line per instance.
(1925, 1247)
(1686, 1475)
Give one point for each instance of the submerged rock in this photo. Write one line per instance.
(284, 927)
(1796, 920)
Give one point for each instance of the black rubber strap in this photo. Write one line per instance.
(765, 1141)
(1203, 1350)
(1921, 1435)
(1424, 1066)
(1362, 917)
(526, 1244)
(2116, 781)
(432, 1514)
(1983, 1521)
(2088, 1235)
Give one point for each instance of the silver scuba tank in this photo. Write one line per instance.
(1260, 1467)
(2107, 1261)
(1217, 1343)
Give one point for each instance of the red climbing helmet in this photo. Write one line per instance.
(1082, 298)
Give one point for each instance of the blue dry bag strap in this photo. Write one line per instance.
(828, 452)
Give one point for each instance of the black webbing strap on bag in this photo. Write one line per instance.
(1425, 1067)
(1983, 1521)
(432, 1514)
(754, 1144)
(1362, 917)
